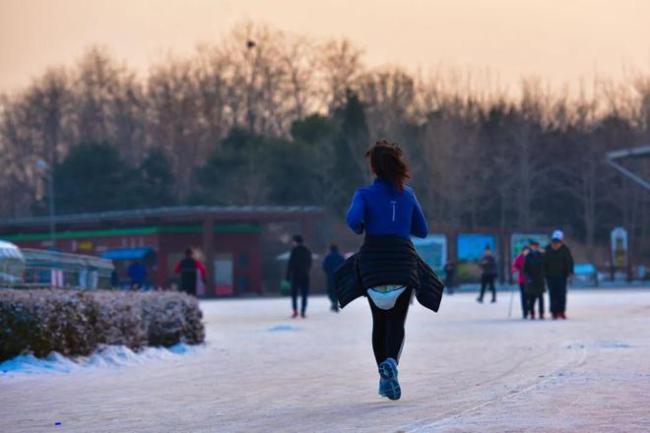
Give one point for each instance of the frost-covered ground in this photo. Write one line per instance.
(466, 369)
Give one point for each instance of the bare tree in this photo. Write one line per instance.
(339, 65)
(389, 98)
(258, 78)
(174, 119)
(18, 156)
(109, 104)
(299, 61)
(34, 125)
(210, 74)
(127, 117)
(95, 82)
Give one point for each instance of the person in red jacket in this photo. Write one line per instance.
(190, 271)
(518, 267)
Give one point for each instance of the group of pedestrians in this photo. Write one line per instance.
(389, 273)
(537, 270)
(299, 268)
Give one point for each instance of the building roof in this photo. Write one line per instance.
(9, 250)
(220, 212)
(138, 253)
(614, 158)
(631, 152)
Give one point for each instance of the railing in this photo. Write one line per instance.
(52, 269)
(54, 277)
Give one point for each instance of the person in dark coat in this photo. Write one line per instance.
(387, 268)
(488, 274)
(450, 276)
(331, 263)
(190, 271)
(534, 285)
(137, 274)
(558, 267)
(298, 275)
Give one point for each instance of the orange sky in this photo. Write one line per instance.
(560, 41)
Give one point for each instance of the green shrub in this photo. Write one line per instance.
(77, 323)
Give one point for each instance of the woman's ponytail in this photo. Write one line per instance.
(386, 161)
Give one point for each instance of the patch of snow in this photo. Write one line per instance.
(283, 328)
(107, 356)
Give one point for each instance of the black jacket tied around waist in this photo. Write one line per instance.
(384, 260)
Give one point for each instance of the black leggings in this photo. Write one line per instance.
(388, 328)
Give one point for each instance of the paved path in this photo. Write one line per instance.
(466, 369)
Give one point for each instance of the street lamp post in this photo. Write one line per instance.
(47, 170)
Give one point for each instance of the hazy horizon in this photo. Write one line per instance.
(559, 42)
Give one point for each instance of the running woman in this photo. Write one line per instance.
(387, 269)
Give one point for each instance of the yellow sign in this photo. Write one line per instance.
(85, 246)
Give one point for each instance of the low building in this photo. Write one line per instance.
(228, 239)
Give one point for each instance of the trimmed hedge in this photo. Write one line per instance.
(77, 323)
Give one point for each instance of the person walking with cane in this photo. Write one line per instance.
(518, 267)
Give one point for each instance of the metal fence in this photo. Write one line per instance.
(53, 269)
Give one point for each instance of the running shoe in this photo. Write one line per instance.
(388, 373)
(382, 387)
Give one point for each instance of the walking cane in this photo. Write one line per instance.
(512, 296)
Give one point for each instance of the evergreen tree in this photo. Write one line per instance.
(235, 173)
(317, 135)
(314, 129)
(156, 180)
(93, 178)
(350, 168)
(292, 173)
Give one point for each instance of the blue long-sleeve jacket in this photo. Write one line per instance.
(332, 262)
(381, 209)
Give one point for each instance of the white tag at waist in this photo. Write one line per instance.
(385, 297)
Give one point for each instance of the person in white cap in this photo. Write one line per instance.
(558, 267)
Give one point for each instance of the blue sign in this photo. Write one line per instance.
(433, 250)
(471, 246)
